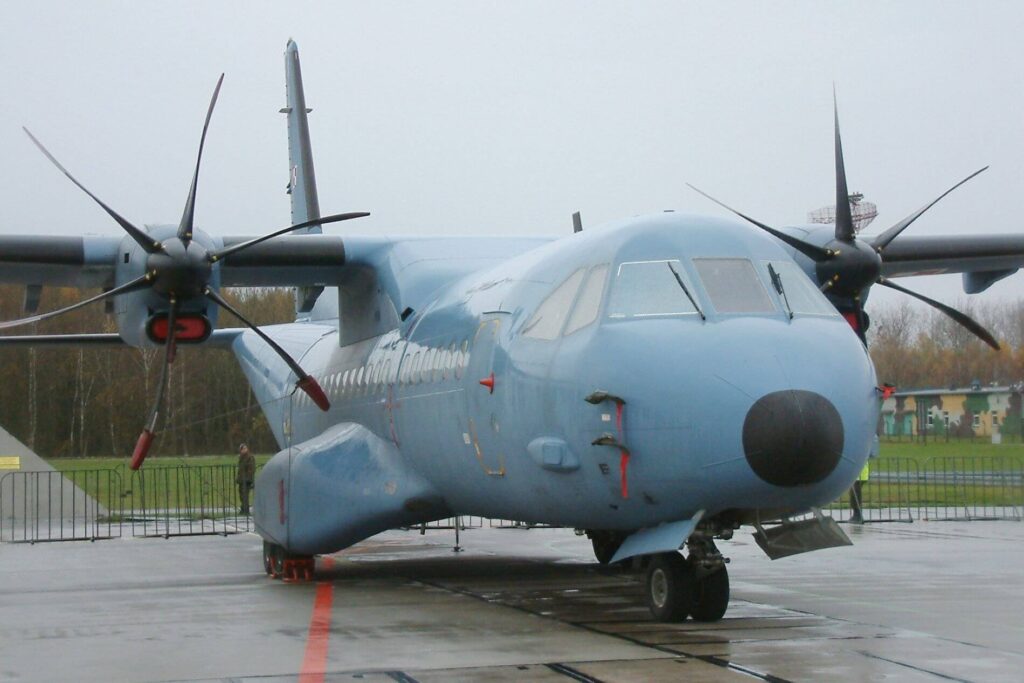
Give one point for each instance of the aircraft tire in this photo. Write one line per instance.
(711, 596)
(277, 558)
(605, 544)
(669, 586)
(268, 558)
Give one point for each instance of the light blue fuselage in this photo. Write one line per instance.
(412, 435)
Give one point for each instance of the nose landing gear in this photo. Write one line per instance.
(695, 586)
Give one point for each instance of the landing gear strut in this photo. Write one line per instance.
(278, 563)
(697, 586)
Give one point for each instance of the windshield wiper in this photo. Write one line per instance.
(686, 291)
(777, 281)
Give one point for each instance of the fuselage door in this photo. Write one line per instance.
(484, 393)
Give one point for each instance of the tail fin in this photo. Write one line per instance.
(302, 179)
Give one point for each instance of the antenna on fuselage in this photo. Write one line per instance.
(577, 222)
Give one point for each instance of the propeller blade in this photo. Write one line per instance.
(185, 227)
(149, 431)
(844, 217)
(813, 252)
(131, 286)
(305, 382)
(956, 315)
(882, 240)
(143, 239)
(215, 256)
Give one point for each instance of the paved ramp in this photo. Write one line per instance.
(931, 602)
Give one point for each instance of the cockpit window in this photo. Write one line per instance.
(589, 300)
(733, 286)
(546, 322)
(650, 288)
(799, 292)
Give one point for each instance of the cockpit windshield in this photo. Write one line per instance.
(800, 293)
(733, 286)
(650, 288)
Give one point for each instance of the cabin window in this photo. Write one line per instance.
(798, 290)
(733, 286)
(546, 322)
(385, 375)
(435, 365)
(588, 301)
(650, 288)
(414, 371)
(428, 360)
(344, 382)
(449, 361)
(462, 357)
(377, 367)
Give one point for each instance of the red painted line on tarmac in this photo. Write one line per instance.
(314, 663)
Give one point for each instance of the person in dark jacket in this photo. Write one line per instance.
(246, 477)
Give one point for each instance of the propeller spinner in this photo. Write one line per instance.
(179, 270)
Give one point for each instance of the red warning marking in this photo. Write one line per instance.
(314, 663)
(623, 468)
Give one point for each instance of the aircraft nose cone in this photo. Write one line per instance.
(793, 437)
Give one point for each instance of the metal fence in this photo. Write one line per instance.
(188, 500)
(940, 488)
(76, 505)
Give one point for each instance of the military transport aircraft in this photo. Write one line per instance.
(656, 382)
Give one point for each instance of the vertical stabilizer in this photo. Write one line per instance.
(301, 178)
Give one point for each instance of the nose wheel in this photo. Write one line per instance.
(676, 588)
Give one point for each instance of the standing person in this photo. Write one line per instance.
(246, 477)
(855, 494)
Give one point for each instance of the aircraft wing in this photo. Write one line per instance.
(983, 259)
(289, 261)
(60, 261)
(90, 261)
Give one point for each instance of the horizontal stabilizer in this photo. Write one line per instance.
(793, 538)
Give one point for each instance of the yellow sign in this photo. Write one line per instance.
(10, 462)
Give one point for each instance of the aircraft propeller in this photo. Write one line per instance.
(846, 266)
(179, 269)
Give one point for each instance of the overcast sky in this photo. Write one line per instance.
(504, 118)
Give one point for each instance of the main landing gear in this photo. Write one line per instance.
(278, 563)
(605, 543)
(695, 586)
